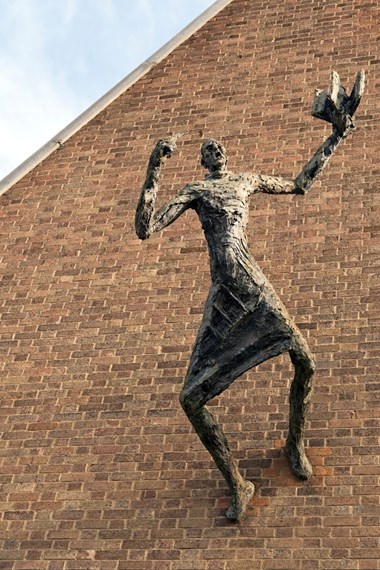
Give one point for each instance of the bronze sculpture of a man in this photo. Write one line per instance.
(244, 322)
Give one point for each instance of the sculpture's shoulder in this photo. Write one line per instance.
(195, 187)
(248, 181)
(190, 192)
(239, 177)
(233, 182)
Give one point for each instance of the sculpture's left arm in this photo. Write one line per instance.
(147, 220)
(336, 108)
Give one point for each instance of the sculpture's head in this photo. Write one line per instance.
(213, 156)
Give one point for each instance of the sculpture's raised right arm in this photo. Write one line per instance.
(147, 221)
(335, 107)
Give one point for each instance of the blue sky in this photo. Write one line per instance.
(59, 56)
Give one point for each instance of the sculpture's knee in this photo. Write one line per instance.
(312, 366)
(308, 366)
(185, 402)
(190, 401)
(303, 362)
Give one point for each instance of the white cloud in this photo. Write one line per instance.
(59, 56)
(35, 103)
(29, 117)
(69, 9)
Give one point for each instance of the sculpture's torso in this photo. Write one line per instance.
(222, 207)
(242, 307)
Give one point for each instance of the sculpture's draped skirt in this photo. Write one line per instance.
(240, 329)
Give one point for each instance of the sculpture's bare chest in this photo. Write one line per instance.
(222, 203)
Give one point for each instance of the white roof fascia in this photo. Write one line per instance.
(109, 97)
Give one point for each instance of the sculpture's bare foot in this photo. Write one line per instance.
(239, 502)
(299, 463)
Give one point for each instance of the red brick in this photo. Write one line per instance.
(97, 328)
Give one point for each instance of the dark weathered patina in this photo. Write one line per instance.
(244, 321)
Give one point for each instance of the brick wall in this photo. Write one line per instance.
(100, 468)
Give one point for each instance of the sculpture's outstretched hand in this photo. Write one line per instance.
(336, 107)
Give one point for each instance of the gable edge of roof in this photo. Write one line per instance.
(86, 116)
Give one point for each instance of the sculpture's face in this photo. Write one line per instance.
(213, 156)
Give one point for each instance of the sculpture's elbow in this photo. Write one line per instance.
(142, 226)
(142, 233)
(301, 184)
(142, 230)
(301, 191)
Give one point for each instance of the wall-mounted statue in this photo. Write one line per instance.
(244, 321)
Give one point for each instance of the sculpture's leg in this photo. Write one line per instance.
(216, 443)
(300, 393)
